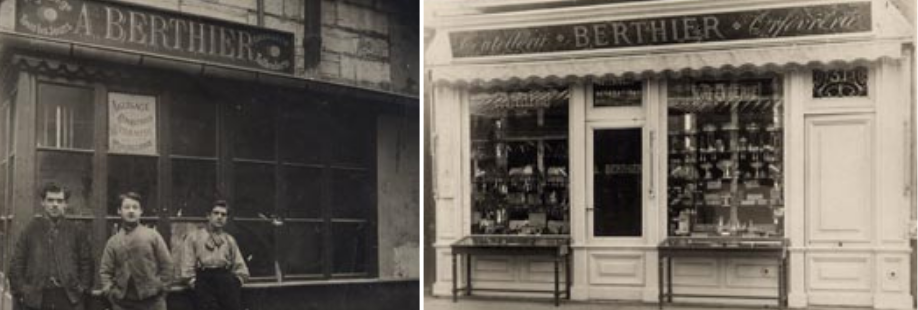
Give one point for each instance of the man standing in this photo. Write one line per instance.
(136, 262)
(51, 267)
(213, 265)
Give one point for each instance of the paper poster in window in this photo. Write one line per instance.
(131, 124)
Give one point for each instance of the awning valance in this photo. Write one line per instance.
(563, 71)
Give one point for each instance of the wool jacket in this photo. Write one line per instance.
(41, 254)
(139, 254)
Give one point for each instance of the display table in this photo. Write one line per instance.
(555, 247)
(721, 247)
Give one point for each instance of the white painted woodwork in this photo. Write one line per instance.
(839, 178)
(616, 268)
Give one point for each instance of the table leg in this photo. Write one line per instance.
(454, 277)
(557, 278)
(660, 270)
(468, 274)
(567, 273)
(669, 280)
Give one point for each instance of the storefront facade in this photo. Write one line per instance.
(185, 108)
(622, 125)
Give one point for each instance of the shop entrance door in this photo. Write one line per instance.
(615, 181)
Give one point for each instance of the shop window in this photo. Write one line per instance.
(304, 253)
(257, 244)
(304, 192)
(73, 171)
(352, 135)
(352, 195)
(617, 182)
(519, 161)
(135, 174)
(838, 83)
(65, 117)
(194, 187)
(254, 190)
(351, 247)
(254, 130)
(193, 127)
(725, 158)
(303, 129)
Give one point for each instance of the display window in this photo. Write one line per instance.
(726, 149)
(519, 161)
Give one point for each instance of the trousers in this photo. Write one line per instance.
(56, 299)
(217, 289)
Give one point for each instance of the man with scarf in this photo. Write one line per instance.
(213, 265)
(51, 267)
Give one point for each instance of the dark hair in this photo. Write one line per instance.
(220, 203)
(129, 195)
(52, 187)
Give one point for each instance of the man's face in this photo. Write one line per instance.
(130, 210)
(55, 204)
(217, 217)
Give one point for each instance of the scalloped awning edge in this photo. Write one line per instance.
(565, 71)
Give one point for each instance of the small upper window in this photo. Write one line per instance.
(65, 117)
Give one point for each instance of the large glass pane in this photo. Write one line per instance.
(353, 134)
(194, 127)
(353, 195)
(303, 133)
(135, 174)
(256, 242)
(617, 189)
(254, 190)
(194, 187)
(519, 161)
(303, 252)
(303, 194)
(73, 171)
(65, 117)
(725, 157)
(352, 244)
(253, 130)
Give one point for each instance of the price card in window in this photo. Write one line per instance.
(131, 124)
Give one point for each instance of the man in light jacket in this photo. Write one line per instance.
(136, 262)
(213, 265)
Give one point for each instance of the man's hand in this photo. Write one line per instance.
(191, 283)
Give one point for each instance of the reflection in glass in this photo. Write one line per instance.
(254, 189)
(352, 195)
(65, 117)
(303, 252)
(194, 127)
(617, 181)
(256, 242)
(253, 130)
(194, 187)
(135, 174)
(351, 247)
(304, 192)
(73, 171)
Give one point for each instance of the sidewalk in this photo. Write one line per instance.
(494, 303)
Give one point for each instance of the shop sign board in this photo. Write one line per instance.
(160, 32)
(826, 19)
(131, 124)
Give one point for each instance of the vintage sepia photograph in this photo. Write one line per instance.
(210, 154)
(678, 154)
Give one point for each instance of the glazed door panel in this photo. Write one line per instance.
(839, 179)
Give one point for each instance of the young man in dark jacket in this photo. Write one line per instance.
(136, 263)
(51, 267)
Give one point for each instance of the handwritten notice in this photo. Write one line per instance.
(131, 124)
